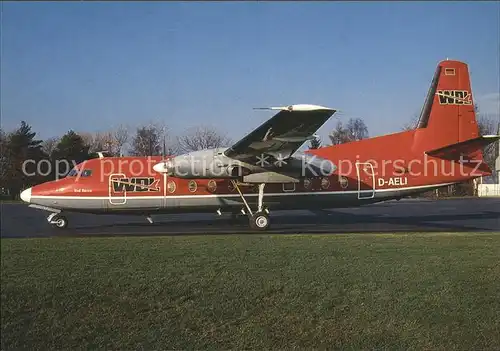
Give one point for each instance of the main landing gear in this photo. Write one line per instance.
(258, 220)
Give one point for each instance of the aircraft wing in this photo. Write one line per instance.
(282, 134)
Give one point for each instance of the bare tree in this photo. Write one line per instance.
(88, 139)
(4, 160)
(487, 126)
(104, 141)
(49, 145)
(355, 129)
(339, 135)
(99, 141)
(120, 136)
(149, 140)
(201, 138)
(412, 124)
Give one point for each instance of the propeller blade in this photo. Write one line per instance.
(164, 148)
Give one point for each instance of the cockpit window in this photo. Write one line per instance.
(73, 173)
(86, 173)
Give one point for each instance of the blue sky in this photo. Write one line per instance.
(88, 66)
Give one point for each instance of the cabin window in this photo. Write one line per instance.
(86, 173)
(212, 186)
(343, 182)
(192, 186)
(288, 186)
(73, 173)
(307, 183)
(171, 186)
(325, 183)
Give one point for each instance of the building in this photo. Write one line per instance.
(490, 186)
(497, 161)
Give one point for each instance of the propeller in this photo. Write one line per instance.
(164, 165)
(164, 154)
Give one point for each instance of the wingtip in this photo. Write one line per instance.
(297, 107)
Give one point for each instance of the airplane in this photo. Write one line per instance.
(265, 170)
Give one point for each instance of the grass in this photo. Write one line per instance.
(425, 291)
(10, 201)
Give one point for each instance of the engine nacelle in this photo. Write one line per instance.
(306, 166)
(205, 164)
(235, 171)
(210, 164)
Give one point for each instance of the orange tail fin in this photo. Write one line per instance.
(448, 116)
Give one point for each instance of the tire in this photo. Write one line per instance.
(59, 222)
(260, 221)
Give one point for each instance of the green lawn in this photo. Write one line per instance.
(425, 291)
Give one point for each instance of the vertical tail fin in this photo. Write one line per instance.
(448, 115)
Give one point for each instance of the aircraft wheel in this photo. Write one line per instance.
(259, 221)
(59, 222)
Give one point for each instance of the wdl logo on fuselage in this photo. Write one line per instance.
(454, 97)
(136, 184)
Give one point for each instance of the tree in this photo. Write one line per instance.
(71, 148)
(49, 145)
(99, 141)
(412, 124)
(147, 141)
(355, 129)
(339, 135)
(111, 141)
(201, 138)
(88, 139)
(315, 143)
(19, 147)
(487, 126)
(121, 136)
(3, 161)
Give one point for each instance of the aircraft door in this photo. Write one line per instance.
(366, 180)
(115, 195)
(136, 192)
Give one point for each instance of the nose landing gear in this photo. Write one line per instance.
(57, 220)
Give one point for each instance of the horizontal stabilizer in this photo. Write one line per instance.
(455, 151)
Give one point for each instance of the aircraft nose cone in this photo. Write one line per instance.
(26, 195)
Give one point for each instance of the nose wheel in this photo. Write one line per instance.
(58, 221)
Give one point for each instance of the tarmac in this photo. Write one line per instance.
(449, 215)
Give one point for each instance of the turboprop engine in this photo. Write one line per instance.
(204, 164)
(214, 164)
